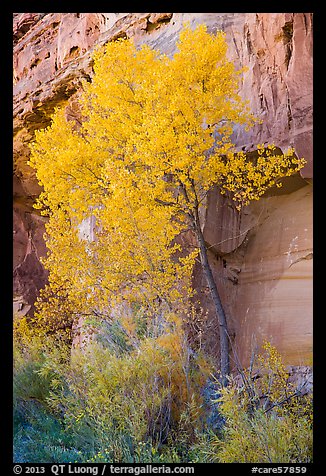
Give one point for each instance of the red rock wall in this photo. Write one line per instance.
(261, 257)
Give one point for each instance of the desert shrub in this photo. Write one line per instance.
(134, 394)
(143, 452)
(39, 435)
(116, 401)
(267, 419)
(131, 394)
(31, 352)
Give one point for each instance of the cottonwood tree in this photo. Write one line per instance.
(156, 136)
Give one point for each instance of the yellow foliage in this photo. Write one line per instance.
(129, 325)
(156, 137)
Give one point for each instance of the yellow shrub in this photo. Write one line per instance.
(267, 419)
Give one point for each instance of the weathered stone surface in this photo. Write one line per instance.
(259, 263)
(302, 377)
(22, 22)
(266, 281)
(29, 274)
(273, 299)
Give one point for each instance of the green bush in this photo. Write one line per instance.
(123, 396)
(39, 435)
(134, 397)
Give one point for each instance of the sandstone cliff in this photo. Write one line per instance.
(262, 258)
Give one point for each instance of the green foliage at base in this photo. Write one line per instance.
(140, 401)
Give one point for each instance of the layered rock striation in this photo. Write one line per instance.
(262, 257)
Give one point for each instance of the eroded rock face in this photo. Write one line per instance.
(261, 257)
(264, 273)
(29, 246)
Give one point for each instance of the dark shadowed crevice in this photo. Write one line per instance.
(287, 40)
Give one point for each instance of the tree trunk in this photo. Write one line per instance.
(224, 335)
